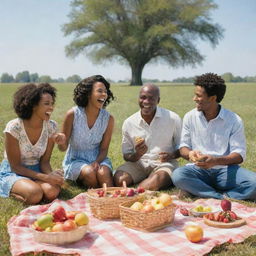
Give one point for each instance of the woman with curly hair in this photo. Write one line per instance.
(25, 172)
(88, 128)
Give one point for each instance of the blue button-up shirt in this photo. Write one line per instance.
(220, 136)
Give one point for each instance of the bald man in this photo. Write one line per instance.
(150, 143)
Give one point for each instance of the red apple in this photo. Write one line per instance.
(69, 225)
(225, 205)
(148, 208)
(71, 214)
(130, 192)
(140, 190)
(59, 214)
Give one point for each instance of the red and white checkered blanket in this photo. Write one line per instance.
(111, 238)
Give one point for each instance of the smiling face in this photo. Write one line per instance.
(45, 107)
(148, 100)
(98, 95)
(203, 101)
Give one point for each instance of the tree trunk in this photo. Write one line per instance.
(136, 74)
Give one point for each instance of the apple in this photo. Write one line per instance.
(165, 199)
(225, 205)
(45, 221)
(140, 190)
(71, 215)
(130, 192)
(81, 219)
(59, 214)
(148, 208)
(58, 227)
(69, 225)
(137, 206)
(123, 193)
(194, 233)
(158, 206)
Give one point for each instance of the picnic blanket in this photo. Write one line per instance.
(111, 238)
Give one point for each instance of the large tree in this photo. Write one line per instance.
(139, 31)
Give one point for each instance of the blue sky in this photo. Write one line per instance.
(31, 39)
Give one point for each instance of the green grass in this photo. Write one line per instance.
(240, 98)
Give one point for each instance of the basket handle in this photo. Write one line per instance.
(104, 186)
(124, 185)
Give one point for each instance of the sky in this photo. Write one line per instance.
(31, 39)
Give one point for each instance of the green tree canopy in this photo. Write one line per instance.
(73, 79)
(22, 77)
(45, 79)
(6, 78)
(139, 31)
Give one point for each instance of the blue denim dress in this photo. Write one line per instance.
(84, 144)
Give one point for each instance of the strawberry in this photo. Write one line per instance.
(226, 220)
(184, 211)
(233, 216)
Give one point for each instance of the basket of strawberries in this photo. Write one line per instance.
(104, 202)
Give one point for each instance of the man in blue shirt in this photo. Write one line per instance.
(213, 140)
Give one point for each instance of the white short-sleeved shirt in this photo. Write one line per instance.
(162, 135)
(220, 136)
(30, 154)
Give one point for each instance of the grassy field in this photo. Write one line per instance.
(239, 98)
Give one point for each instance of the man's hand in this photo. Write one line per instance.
(141, 148)
(59, 138)
(196, 156)
(209, 162)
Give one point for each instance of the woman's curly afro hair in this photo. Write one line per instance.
(213, 85)
(28, 96)
(83, 90)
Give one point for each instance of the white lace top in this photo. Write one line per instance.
(30, 154)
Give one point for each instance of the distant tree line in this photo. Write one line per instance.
(228, 77)
(26, 77)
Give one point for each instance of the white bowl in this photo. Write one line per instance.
(64, 237)
(201, 214)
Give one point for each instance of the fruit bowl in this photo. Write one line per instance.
(200, 214)
(59, 238)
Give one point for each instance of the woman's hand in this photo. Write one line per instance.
(55, 178)
(95, 165)
(59, 138)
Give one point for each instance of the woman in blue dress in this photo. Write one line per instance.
(88, 128)
(25, 172)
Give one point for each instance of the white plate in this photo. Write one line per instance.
(64, 237)
(201, 214)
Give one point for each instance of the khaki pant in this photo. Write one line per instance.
(138, 172)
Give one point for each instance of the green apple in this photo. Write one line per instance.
(45, 221)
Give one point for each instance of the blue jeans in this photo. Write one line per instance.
(233, 181)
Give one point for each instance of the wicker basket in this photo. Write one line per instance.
(107, 207)
(148, 222)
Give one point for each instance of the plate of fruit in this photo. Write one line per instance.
(225, 218)
(60, 226)
(200, 210)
